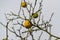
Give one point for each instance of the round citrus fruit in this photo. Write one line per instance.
(27, 24)
(35, 15)
(23, 4)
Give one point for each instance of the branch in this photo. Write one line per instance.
(51, 17)
(17, 16)
(19, 11)
(29, 10)
(48, 32)
(8, 28)
(34, 5)
(23, 13)
(40, 7)
(31, 35)
(40, 35)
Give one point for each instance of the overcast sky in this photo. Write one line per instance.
(49, 6)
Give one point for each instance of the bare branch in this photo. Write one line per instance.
(40, 35)
(23, 13)
(40, 7)
(48, 33)
(19, 11)
(34, 5)
(51, 17)
(15, 32)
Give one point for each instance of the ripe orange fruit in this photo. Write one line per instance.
(35, 15)
(27, 24)
(23, 4)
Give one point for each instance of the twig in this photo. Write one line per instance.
(33, 10)
(5, 26)
(32, 30)
(19, 11)
(34, 21)
(40, 35)
(48, 33)
(32, 36)
(13, 13)
(34, 5)
(19, 30)
(40, 6)
(51, 17)
(7, 30)
(27, 36)
(39, 18)
(29, 10)
(23, 13)
(16, 15)
(38, 10)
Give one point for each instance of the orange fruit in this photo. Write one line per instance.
(23, 4)
(27, 24)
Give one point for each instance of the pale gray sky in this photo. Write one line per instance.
(49, 6)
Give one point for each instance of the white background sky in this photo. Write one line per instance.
(49, 6)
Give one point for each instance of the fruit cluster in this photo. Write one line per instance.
(27, 23)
